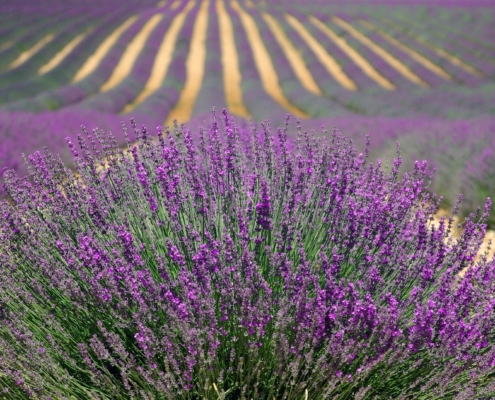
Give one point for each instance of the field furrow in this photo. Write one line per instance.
(305, 60)
(162, 59)
(293, 56)
(38, 52)
(347, 101)
(116, 99)
(263, 62)
(13, 30)
(108, 68)
(27, 54)
(175, 4)
(48, 91)
(103, 49)
(417, 67)
(411, 52)
(15, 41)
(474, 29)
(355, 56)
(326, 59)
(445, 45)
(386, 56)
(30, 61)
(212, 92)
(382, 66)
(26, 46)
(195, 64)
(459, 35)
(257, 101)
(62, 54)
(452, 58)
(232, 77)
(132, 52)
(162, 100)
(444, 61)
(362, 80)
(293, 87)
(343, 53)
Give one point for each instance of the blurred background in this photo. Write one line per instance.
(418, 72)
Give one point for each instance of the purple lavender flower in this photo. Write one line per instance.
(240, 267)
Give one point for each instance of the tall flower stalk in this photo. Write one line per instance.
(245, 267)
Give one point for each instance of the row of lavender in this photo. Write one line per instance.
(231, 264)
(55, 90)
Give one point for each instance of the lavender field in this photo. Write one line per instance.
(212, 247)
(342, 64)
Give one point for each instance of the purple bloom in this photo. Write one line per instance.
(178, 266)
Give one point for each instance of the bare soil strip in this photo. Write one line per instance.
(489, 236)
(453, 59)
(26, 55)
(442, 53)
(389, 58)
(6, 45)
(357, 58)
(132, 51)
(412, 53)
(487, 247)
(95, 59)
(230, 61)
(60, 56)
(175, 4)
(264, 64)
(295, 59)
(163, 59)
(450, 57)
(195, 65)
(330, 64)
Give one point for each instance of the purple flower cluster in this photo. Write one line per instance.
(241, 267)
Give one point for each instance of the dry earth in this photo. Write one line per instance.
(487, 245)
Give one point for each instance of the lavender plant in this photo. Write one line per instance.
(241, 267)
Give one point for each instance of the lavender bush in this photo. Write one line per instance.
(240, 267)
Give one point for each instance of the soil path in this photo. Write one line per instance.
(389, 58)
(95, 59)
(195, 68)
(230, 62)
(62, 54)
(131, 53)
(358, 59)
(264, 64)
(406, 49)
(330, 64)
(26, 55)
(163, 59)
